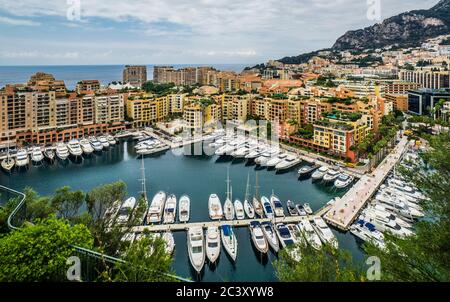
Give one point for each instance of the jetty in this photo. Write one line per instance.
(234, 223)
(345, 210)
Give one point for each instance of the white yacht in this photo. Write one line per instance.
(387, 225)
(384, 215)
(343, 181)
(61, 151)
(257, 205)
(367, 232)
(292, 210)
(229, 148)
(125, 211)
(228, 209)
(22, 158)
(104, 141)
(229, 241)
(111, 140)
(301, 210)
(307, 208)
(331, 176)
(212, 243)
(196, 248)
(277, 205)
(8, 163)
(270, 235)
(98, 147)
(239, 209)
(74, 148)
(49, 154)
(241, 152)
(36, 155)
(319, 173)
(266, 156)
(184, 208)
(288, 163)
(253, 154)
(267, 207)
(324, 232)
(306, 171)
(156, 209)
(215, 207)
(400, 207)
(170, 242)
(284, 235)
(309, 233)
(259, 241)
(249, 210)
(170, 209)
(271, 163)
(86, 146)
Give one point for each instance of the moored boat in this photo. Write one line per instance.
(267, 207)
(229, 241)
(156, 208)
(319, 173)
(170, 209)
(212, 243)
(125, 211)
(215, 207)
(22, 159)
(184, 208)
(258, 239)
(324, 232)
(270, 235)
(306, 171)
(277, 205)
(196, 248)
(36, 155)
(239, 209)
(61, 151)
(292, 210)
(49, 154)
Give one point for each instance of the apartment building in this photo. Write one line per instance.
(176, 103)
(87, 85)
(44, 82)
(399, 87)
(399, 101)
(135, 75)
(427, 78)
(423, 101)
(234, 107)
(364, 89)
(193, 118)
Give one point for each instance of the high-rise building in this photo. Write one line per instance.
(88, 85)
(135, 75)
(427, 78)
(423, 101)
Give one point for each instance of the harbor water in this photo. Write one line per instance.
(197, 176)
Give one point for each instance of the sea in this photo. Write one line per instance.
(198, 177)
(71, 74)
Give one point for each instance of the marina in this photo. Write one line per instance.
(191, 179)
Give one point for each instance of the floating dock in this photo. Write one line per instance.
(234, 223)
(345, 210)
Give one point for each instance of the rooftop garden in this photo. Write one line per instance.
(344, 116)
(279, 96)
(346, 101)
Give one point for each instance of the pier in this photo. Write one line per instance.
(345, 210)
(234, 223)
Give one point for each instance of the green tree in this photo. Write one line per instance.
(67, 202)
(426, 255)
(39, 252)
(146, 260)
(327, 264)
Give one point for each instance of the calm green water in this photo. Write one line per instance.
(197, 176)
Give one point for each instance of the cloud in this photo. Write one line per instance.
(37, 55)
(18, 22)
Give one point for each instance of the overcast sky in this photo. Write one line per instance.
(178, 31)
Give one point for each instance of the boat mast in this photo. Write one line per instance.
(257, 187)
(247, 190)
(143, 182)
(228, 183)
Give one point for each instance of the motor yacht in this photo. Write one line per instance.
(170, 209)
(309, 234)
(307, 208)
(284, 235)
(74, 148)
(196, 248)
(126, 210)
(324, 232)
(36, 155)
(301, 210)
(319, 173)
(289, 162)
(239, 209)
(306, 171)
(61, 151)
(156, 209)
(184, 208)
(292, 210)
(86, 147)
(258, 239)
(215, 207)
(104, 141)
(271, 163)
(98, 146)
(49, 154)
(277, 205)
(331, 176)
(270, 235)
(267, 207)
(212, 243)
(343, 181)
(111, 140)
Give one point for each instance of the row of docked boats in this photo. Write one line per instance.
(394, 209)
(262, 154)
(207, 245)
(62, 151)
(326, 175)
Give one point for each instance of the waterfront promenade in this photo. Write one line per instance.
(346, 209)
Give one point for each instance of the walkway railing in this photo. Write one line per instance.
(91, 260)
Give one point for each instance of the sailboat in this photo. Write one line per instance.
(8, 162)
(143, 191)
(228, 207)
(248, 208)
(229, 241)
(257, 205)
